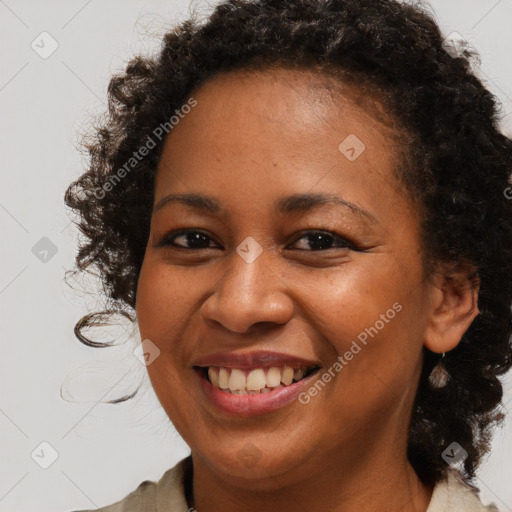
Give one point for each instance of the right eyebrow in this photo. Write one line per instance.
(197, 201)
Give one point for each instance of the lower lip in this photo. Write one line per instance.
(251, 405)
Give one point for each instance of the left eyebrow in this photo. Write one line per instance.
(307, 202)
(286, 205)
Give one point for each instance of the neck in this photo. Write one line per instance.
(374, 482)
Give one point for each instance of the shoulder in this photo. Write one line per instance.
(452, 494)
(168, 494)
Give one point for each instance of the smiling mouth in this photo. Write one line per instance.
(256, 381)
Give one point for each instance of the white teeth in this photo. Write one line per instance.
(287, 375)
(273, 377)
(237, 380)
(259, 380)
(256, 380)
(223, 378)
(213, 376)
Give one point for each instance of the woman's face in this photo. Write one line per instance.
(267, 280)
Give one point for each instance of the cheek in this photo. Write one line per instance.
(161, 309)
(371, 316)
(161, 300)
(342, 302)
(167, 310)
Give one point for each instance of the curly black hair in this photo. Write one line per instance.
(456, 164)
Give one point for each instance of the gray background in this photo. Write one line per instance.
(104, 451)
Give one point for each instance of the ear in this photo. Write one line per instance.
(453, 307)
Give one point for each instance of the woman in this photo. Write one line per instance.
(303, 206)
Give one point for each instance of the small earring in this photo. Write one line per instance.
(439, 377)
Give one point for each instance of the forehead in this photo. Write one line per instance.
(281, 129)
(318, 84)
(301, 106)
(295, 94)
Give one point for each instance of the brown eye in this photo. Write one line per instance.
(190, 239)
(323, 240)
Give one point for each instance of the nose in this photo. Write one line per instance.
(248, 295)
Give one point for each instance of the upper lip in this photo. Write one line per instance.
(258, 359)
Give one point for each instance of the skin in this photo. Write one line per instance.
(252, 138)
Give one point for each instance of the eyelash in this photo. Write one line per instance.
(168, 240)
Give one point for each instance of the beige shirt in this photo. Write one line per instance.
(168, 494)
